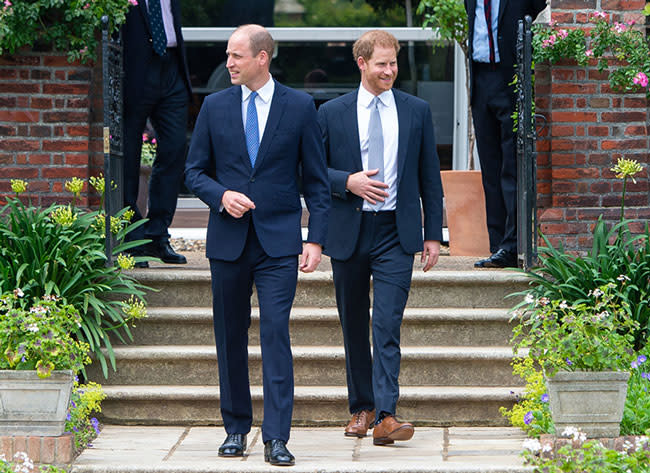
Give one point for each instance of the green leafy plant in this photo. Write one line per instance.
(636, 416)
(596, 335)
(148, 154)
(619, 48)
(59, 251)
(617, 256)
(69, 25)
(588, 456)
(23, 464)
(449, 19)
(531, 413)
(85, 401)
(38, 336)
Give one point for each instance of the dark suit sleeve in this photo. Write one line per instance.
(338, 179)
(316, 189)
(200, 163)
(430, 184)
(536, 8)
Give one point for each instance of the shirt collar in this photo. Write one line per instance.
(265, 92)
(365, 97)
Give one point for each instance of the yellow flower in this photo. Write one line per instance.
(627, 168)
(125, 261)
(64, 216)
(134, 309)
(98, 183)
(18, 186)
(116, 225)
(75, 186)
(100, 224)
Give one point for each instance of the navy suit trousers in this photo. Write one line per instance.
(373, 379)
(232, 286)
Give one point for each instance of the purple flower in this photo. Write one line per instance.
(74, 427)
(544, 397)
(569, 362)
(641, 359)
(68, 417)
(528, 418)
(22, 349)
(73, 405)
(645, 376)
(95, 423)
(634, 365)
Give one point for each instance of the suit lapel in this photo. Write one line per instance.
(145, 14)
(351, 127)
(235, 117)
(278, 103)
(404, 120)
(502, 10)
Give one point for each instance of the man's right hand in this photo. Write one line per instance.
(236, 203)
(370, 190)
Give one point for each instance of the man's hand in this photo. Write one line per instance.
(430, 254)
(310, 257)
(236, 203)
(370, 190)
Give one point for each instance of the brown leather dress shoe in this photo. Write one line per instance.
(360, 423)
(390, 429)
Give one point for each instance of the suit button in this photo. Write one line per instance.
(358, 209)
(252, 179)
(150, 40)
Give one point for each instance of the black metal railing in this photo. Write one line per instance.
(113, 129)
(526, 154)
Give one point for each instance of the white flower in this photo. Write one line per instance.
(529, 299)
(545, 301)
(547, 448)
(641, 441)
(39, 309)
(32, 328)
(19, 292)
(574, 433)
(564, 305)
(532, 445)
(623, 277)
(627, 445)
(597, 292)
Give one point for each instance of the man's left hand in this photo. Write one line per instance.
(310, 257)
(430, 254)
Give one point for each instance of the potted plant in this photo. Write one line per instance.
(463, 190)
(39, 357)
(584, 350)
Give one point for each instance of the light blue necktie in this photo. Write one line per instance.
(376, 145)
(252, 129)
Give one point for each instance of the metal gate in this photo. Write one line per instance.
(113, 130)
(526, 155)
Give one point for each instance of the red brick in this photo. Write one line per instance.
(41, 102)
(7, 102)
(619, 4)
(19, 145)
(79, 159)
(7, 446)
(573, 145)
(563, 74)
(599, 102)
(580, 131)
(574, 117)
(7, 130)
(559, 130)
(7, 74)
(20, 444)
(623, 144)
(21, 172)
(60, 61)
(18, 116)
(24, 75)
(78, 130)
(48, 450)
(65, 145)
(39, 159)
(551, 214)
(19, 60)
(635, 102)
(576, 201)
(60, 75)
(64, 172)
(562, 102)
(563, 187)
(22, 101)
(576, 173)
(563, 159)
(22, 130)
(621, 117)
(34, 448)
(562, 17)
(64, 448)
(40, 131)
(20, 88)
(68, 89)
(80, 75)
(598, 131)
(78, 103)
(65, 117)
(570, 88)
(40, 74)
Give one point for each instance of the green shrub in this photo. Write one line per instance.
(60, 251)
(636, 416)
(84, 402)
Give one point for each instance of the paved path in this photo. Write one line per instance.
(124, 449)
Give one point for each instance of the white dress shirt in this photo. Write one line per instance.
(481, 42)
(262, 103)
(168, 21)
(390, 131)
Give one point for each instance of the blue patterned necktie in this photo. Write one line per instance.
(252, 129)
(158, 35)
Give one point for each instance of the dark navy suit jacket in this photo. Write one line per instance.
(218, 161)
(418, 173)
(138, 49)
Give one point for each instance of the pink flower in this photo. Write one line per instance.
(563, 33)
(620, 27)
(641, 79)
(7, 3)
(153, 141)
(133, 2)
(598, 14)
(86, 6)
(145, 137)
(589, 53)
(84, 50)
(631, 22)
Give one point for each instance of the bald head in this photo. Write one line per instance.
(259, 39)
(249, 56)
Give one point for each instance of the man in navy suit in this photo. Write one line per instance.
(156, 86)
(248, 143)
(493, 55)
(382, 164)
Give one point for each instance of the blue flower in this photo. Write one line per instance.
(68, 417)
(569, 362)
(634, 365)
(641, 359)
(645, 376)
(72, 404)
(544, 397)
(528, 418)
(95, 423)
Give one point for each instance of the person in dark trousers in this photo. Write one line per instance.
(156, 87)
(492, 48)
(383, 169)
(243, 162)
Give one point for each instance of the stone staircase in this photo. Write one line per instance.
(455, 354)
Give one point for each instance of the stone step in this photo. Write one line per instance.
(434, 289)
(321, 326)
(313, 365)
(313, 405)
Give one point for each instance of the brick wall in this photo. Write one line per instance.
(48, 124)
(589, 128)
(44, 450)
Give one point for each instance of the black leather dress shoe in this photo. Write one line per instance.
(500, 259)
(163, 250)
(233, 446)
(276, 453)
